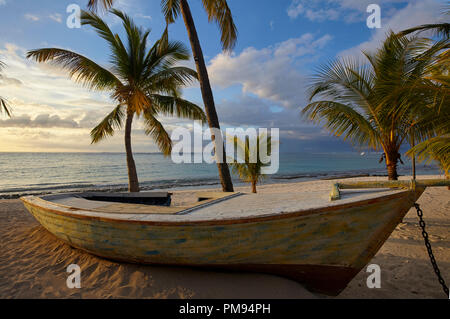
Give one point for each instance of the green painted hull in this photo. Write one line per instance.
(322, 248)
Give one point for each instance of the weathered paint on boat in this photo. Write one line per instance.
(322, 248)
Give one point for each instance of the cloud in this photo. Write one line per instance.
(298, 7)
(333, 10)
(270, 73)
(295, 134)
(31, 17)
(4, 81)
(416, 13)
(142, 16)
(41, 121)
(2, 2)
(56, 17)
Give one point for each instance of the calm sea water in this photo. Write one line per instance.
(28, 173)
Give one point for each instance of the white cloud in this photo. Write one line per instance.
(271, 73)
(31, 17)
(142, 16)
(2, 2)
(416, 13)
(333, 10)
(41, 121)
(56, 17)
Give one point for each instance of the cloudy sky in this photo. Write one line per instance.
(261, 83)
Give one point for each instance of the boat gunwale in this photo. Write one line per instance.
(31, 201)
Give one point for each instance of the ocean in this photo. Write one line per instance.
(38, 173)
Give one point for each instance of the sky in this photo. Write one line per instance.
(262, 83)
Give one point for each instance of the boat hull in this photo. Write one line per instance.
(322, 248)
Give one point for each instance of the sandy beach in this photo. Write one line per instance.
(33, 262)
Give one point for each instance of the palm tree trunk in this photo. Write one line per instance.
(254, 187)
(208, 99)
(133, 182)
(447, 176)
(413, 143)
(391, 164)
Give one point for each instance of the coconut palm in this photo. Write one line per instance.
(435, 149)
(219, 12)
(382, 103)
(143, 82)
(438, 73)
(4, 106)
(249, 167)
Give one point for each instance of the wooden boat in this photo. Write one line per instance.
(320, 243)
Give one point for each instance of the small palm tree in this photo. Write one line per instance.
(4, 106)
(434, 149)
(143, 82)
(249, 167)
(381, 104)
(219, 12)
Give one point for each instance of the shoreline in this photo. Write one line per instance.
(195, 183)
(33, 262)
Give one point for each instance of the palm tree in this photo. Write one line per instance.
(4, 106)
(438, 73)
(143, 82)
(437, 149)
(249, 168)
(382, 103)
(219, 12)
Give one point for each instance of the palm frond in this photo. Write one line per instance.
(175, 106)
(168, 78)
(171, 9)
(95, 4)
(437, 30)
(342, 120)
(156, 130)
(80, 68)
(119, 56)
(219, 11)
(4, 107)
(109, 124)
(435, 149)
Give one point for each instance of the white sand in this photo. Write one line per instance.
(33, 262)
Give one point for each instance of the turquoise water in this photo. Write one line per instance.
(26, 173)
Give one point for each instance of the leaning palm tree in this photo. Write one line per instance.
(143, 82)
(367, 103)
(4, 106)
(219, 12)
(248, 166)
